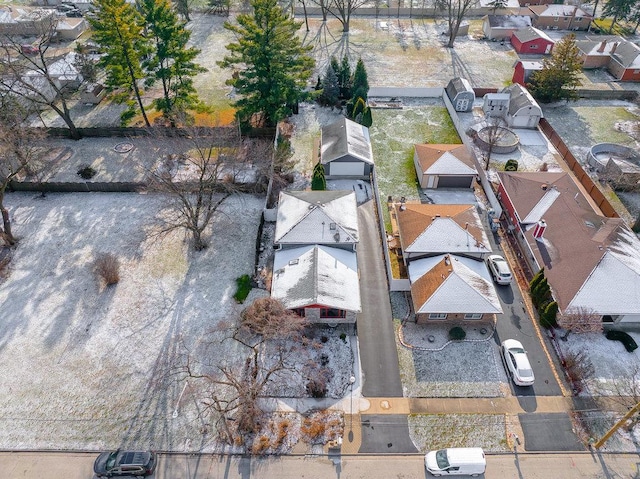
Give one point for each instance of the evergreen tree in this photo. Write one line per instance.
(360, 84)
(560, 74)
(318, 180)
(367, 117)
(331, 89)
(272, 64)
(548, 317)
(172, 62)
(619, 10)
(357, 110)
(118, 30)
(344, 78)
(539, 276)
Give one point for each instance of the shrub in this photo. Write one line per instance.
(243, 288)
(318, 180)
(313, 428)
(548, 315)
(457, 333)
(511, 165)
(86, 172)
(107, 267)
(261, 446)
(629, 343)
(343, 336)
(539, 276)
(317, 388)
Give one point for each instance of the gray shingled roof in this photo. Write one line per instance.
(509, 21)
(528, 34)
(345, 137)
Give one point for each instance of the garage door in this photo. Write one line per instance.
(346, 168)
(454, 181)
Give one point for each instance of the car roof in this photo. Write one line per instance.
(133, 457)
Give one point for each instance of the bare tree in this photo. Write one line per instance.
(199, 181)
(623, 391)
(342, 10)
(495, 131)
(580, 320)
(271, 336)
(26, 73)
(19, 155)
(454, 11)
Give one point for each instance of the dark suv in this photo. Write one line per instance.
(125, 463)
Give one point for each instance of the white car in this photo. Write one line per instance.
(516, 362)
(499, 269)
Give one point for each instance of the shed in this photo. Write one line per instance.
(530, 40)
(501, 27)
(495, 104)
(345, 150)
(461, 94)
(93, 93)
(523, 69)
(444, 166)
(524, 111)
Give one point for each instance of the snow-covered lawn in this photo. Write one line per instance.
(90, 367)
(614, 369)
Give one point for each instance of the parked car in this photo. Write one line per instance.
(125, 463)
(516, 362)
(455, 461)
(499, 269)
(29, 49)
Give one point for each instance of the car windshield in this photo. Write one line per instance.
(441, 459)
(111, 461)
(516, 350)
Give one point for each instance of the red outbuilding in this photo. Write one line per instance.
(530, 40)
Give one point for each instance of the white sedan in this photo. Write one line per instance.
(499, 269)
(516, 362)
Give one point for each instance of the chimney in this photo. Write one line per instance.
(613, 48)
(538, 231)
(602, 46)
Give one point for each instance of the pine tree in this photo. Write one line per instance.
(118, 29)
(539, 276)
(344, 78)
(560, 74)
(171, 62)
(318, 180)
(331, 89)
(358, 110)
(271, 63)
(360, 84)
(367, 117)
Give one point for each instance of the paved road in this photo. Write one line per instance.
(378, 354)
(40, 465)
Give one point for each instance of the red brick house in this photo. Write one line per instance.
(560, 17)
(619, 56)
(530, 40)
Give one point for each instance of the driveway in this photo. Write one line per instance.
(378, 352)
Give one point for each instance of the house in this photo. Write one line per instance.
(619, 56)
(25, 21)
(444, 166)
(345, 150)
(317, 217)
(501, 27)
(461, 94)
(524, 111)
(591, 262)
(560, 17)
(523, 69)
(531, 40)
(451, 287)
(528, 3)
(430, 229)
(318, 282)
(596, 52)
(32, 90)
(64, 72)
(70, 28)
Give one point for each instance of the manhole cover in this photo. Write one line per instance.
(123, 147)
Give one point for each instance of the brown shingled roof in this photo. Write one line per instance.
(428, 154)
(426, 285)
(416, 218)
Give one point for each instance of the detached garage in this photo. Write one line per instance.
(345, 150)
(444, 166)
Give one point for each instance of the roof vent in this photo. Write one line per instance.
(280, 271)
(544, 186)
(293, 262)
(332, 226)
(336, 236)
(311, 207)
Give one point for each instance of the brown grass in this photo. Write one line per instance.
(107, 267)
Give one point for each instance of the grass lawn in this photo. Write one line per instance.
(393, 134)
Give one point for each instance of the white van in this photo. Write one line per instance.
(456, 461)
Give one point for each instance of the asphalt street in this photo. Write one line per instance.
(47, 465)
